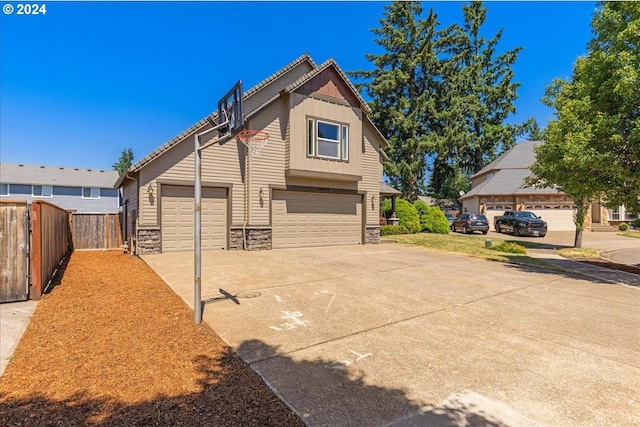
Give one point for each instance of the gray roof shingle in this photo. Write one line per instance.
(520, 156)
(16, 173)
(387, 190)
(507, 174)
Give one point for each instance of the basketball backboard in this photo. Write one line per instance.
(230, 111)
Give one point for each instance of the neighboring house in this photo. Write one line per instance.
(73, 189)
(303, 190)
(501, 186)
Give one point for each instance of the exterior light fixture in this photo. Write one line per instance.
(150, 189)
(260, 194)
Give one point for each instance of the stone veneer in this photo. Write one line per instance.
(258, 239)
(372, 236)
(149, 241)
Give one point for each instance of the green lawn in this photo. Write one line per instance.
(470, 245)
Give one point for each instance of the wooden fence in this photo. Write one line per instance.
(51, 243)
(95, 231)
(34, 242)
(14, 251)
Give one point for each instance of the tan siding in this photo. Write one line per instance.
(303, 107)
(130, 195)
(318, 182)
(268, 168)
(148, 205)
(287, 136)
(371, 175)
(220, 164)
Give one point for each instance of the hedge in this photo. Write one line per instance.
(391, 230)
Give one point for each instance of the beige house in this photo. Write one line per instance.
(501, 186)
(315, 183)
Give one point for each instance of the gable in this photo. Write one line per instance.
(328, 84)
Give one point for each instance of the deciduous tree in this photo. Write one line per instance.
(592, 146)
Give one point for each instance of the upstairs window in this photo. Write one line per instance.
(4, 189)
(327, 140)
(42, 191)
(90, 193)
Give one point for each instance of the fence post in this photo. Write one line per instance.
(36, 251)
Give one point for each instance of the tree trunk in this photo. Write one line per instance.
(577, 243)
(582, 206)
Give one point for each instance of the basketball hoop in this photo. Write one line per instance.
(254, 140)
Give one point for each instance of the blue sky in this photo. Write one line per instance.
(88, 79)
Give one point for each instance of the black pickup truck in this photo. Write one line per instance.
(520, 223)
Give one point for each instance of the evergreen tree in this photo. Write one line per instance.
(535, 133)
(124, 162)
(404, 88)
(481, 93)
(441, 98)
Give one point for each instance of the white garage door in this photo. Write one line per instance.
(177, 218)
(302, 219)
(557, 219)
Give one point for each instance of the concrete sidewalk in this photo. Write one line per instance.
(396, 336)
(14, 319)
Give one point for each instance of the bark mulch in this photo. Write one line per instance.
(112, 345)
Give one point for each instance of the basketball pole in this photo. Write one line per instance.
(197, 223)
(197, 233)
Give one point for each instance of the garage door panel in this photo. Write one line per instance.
(316, 219)
(557, 219)
(177, 218)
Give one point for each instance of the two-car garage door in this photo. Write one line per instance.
(177, 218)
(301, 219)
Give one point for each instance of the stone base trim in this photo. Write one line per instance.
(257, 239)
(149, 241)
(372, 236)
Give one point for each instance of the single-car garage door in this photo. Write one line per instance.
(177, 218)
(302, 219)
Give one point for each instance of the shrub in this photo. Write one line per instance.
(391, 230)
(636, 223)
(623, 227)
(436, 222)
(432, 219)
(406, 213)
(510, 247)
(422, 207)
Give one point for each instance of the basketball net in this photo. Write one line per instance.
(254, 140)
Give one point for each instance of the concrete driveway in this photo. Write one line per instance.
(387, 335)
